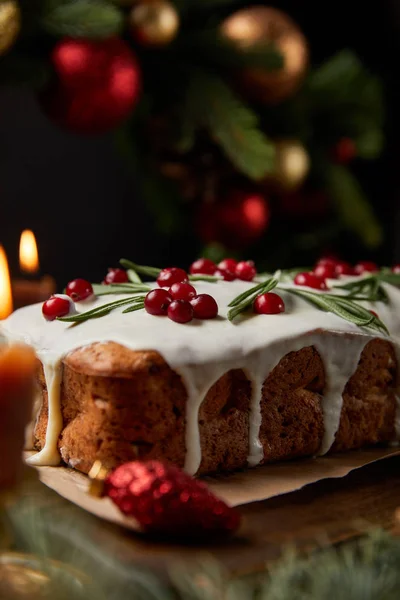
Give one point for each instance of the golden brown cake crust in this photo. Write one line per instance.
(118, 405)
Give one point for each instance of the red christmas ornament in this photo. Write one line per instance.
(239, 220)
(344, 151)
(97, 84)
(165, 500)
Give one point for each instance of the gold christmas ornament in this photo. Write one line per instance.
(292, 165)
(258, 27)
(10, 24)
(154, 22)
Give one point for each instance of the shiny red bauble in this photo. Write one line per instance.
(116, 276)
(268, 304)
(310, 280)
(182, 291)
(326, 271)
(56, 306)
(203, 266)
(246, 270)
(171, 275)
(96, 84)
(366, 266)
(204, 306)
(79, 289)
(180, 311)
(157, 302)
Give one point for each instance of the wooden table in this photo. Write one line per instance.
(327, 512)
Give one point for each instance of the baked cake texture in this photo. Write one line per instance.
(267, 389)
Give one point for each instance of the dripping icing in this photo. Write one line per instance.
(201, 352)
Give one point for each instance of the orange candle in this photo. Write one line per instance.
(17, 369)
(6, 303)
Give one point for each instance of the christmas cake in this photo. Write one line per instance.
(228, 370)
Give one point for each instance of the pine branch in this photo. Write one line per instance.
(93, 19)
(231, 123)
(352, 206)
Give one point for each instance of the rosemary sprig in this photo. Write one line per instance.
(367, 288)
(141, 269)
(246, 299)
(119, 288)
(104, 309)
(133, 276)
(343, 307)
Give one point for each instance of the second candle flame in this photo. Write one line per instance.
(28, 252)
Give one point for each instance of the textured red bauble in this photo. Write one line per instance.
(246, 270)
(116, 276)
(79, 289)
(344, 268)
(226, 275)
(171, 275)
(310, 280)
(396, 269)
(157, 301)
(96, 84)
(165, 500)
(182, 291)
(204, 306)
(228, 264)
(268, 304)
(203, 266)
(366, 266)
(180, 311)
(326, 271)
(56, 306)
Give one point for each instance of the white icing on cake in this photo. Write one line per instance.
(202, 351)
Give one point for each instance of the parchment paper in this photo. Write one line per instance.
(245, 487)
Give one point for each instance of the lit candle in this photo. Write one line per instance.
(17, 368)
(28, 291)
(6, 302)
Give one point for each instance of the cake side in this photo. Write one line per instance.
(118, 405)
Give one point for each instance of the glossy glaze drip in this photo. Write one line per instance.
(202, 351)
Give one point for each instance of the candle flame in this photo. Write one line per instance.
(6, 304)
(28, 252)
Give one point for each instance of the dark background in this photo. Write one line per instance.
(79, 197)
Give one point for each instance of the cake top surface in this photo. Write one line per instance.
(197, 342)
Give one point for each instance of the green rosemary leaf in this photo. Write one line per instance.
(119, 288)
(97, 312)
(246, 299)
(390, 277)
(143, 270)
(209, 278)
(367, 288)
(138, 306)
(342, 307)
(246, 294)
(133, 276)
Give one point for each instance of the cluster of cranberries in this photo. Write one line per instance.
(329, 268)
(229, 269)
(180, 302)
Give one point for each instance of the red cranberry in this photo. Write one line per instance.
(157, 302)
(366, 266)
(396, 269)
(228, 264)
(180, 311)
(246, 270)
(374, 313)
(226, 275)
(56, 306)
(182, 291)
(79, 289)
(168, 277)
(204, 306)
(310, 280)
(116, 276)
(344, 268)
(326, 271)
(203, 266)
(268, 304)
(326, 261)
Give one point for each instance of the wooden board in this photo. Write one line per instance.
(330, 511)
